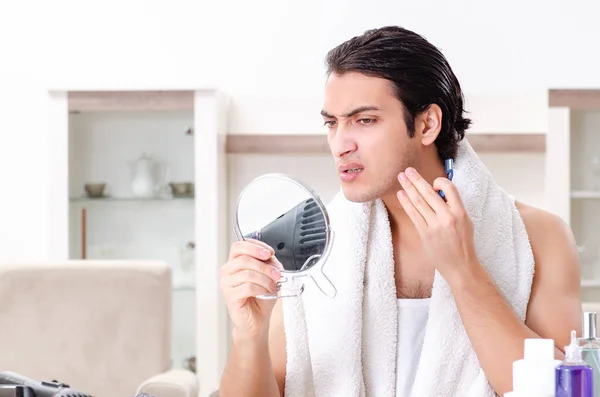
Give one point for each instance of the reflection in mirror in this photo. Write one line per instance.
(289, 217)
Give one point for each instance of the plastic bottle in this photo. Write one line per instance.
(590, 347)
(534, 374)
(574, 377)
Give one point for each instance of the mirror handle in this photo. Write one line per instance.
(329, 291)
(283, 292)
(324, 283)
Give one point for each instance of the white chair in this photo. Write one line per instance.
(103, 327)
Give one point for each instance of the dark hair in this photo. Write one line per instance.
(419, 72)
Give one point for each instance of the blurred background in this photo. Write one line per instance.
(128, 128)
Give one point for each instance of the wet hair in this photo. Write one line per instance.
(420, 75)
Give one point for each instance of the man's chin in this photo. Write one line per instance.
(355, 195)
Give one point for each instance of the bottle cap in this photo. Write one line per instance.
(539, 349)
(573, 350)
(589, 325)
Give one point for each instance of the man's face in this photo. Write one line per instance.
(367, 135)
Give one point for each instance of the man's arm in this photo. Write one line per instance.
(554, 309)
(256, 366)
(496, 333)
(277, 346)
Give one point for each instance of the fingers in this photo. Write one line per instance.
(275, 262)
(453, 199)
(414, 215)
(416, 198)
(248, 290)
(254, 248)
(248, 276)
(261, 243)
(428, 192)
(270, 268)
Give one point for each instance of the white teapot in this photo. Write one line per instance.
(145, 176)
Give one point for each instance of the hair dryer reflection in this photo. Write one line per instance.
(13, 384)
(298, 236)
(17, 385)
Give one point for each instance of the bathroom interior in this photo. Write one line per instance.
(116, 156)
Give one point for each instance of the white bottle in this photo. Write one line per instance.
(534, 375)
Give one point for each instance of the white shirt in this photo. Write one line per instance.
(412, 319)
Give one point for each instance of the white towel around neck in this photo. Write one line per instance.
(346, 346)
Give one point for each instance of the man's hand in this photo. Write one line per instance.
(445, 227)
(554, 307)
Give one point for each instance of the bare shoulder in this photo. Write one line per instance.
(553, 245)
(555, 303)
(544, 228)
(277, 345)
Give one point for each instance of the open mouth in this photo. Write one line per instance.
(353, 170)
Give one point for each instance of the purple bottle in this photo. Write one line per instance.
(574, 377)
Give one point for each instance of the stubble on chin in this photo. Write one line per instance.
(371, 188)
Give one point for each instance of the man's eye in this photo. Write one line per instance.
(329, 123)
(366, 121)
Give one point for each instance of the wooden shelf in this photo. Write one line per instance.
(278, 144)
(585, 194)
(590, 283)
(317, 143)
(103, 101)
(128, 199)
(585, 99)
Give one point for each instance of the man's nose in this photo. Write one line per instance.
(343, 144)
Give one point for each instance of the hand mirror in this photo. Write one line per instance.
(289, 217)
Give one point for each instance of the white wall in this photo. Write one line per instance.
(250, 50)
(513, 46)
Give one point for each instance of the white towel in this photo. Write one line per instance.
(346, 346)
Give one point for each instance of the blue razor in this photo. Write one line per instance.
(449, 165)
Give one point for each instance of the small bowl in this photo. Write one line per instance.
(182, 189)
(190, 364)
(95, 189)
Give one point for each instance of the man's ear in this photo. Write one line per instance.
(430, 124)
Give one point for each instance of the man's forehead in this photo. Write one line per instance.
(344, 94)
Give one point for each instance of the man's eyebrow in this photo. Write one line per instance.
(352, 112)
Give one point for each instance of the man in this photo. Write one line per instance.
(394, 112)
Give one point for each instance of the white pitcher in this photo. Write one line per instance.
(145, 177)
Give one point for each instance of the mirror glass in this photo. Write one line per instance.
(288, 216)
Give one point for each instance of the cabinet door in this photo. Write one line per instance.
(131, 178)
(573, 175)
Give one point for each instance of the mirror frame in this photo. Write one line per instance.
(294, 277)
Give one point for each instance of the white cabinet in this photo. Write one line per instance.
(183, 133)
(573, 175)
(103, 148)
